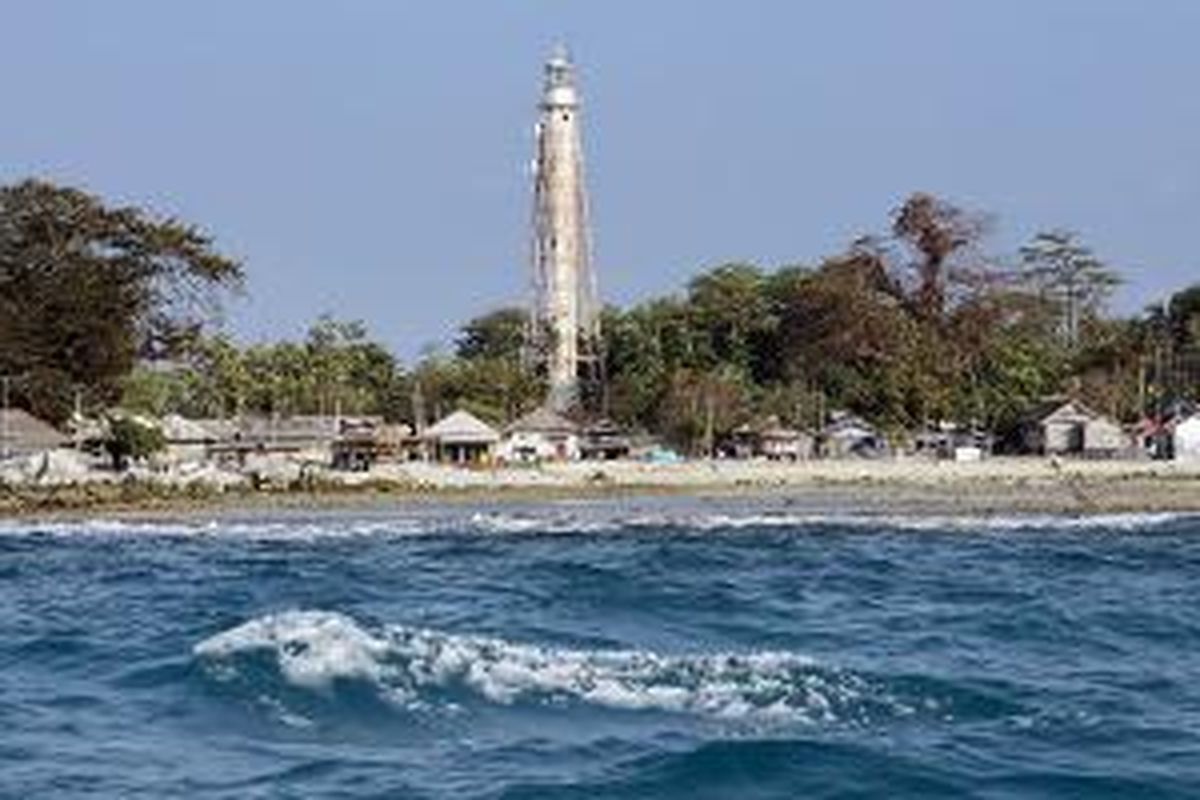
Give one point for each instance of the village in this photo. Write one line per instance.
(875, 356)
(542, 447)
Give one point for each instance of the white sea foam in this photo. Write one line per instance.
(577, 521)
(704, 522)
(313, 649)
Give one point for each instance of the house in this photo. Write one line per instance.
(301, 437)
(780, 443)
(541, 435)
(850, 435)
(461, 438)
(950, 443)
(297, 434)
(768, 439)
(22, 433)
(1067, 427)
(364, 441)
(397, 441)
(358, 446)
(743, 442)
(602, 440)
(1186, 439)
(189, 440)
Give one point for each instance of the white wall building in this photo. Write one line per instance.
(1186, 439)
(541, 435)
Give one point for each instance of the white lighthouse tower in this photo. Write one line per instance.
(565, 319)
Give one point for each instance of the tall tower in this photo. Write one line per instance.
(565, 319)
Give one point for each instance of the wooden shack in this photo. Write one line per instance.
(1069, 428)
(603, 440)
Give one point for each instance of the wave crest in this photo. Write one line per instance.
(315, 649)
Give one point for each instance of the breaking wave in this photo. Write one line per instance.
(413, 667)
(600, 520)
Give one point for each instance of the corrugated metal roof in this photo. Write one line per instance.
(20, 431)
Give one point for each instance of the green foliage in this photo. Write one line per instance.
(487, 376)
(907, 343)
(130, 440)
(909, 330)
(86, 288)
(499, 334)
(336, 368)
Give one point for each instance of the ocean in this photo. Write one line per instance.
(656, 648)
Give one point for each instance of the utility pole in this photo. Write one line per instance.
(77, 433)
(1158, 377)
(5, 381)
(418, 408)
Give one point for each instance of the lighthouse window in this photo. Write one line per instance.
(566, 117)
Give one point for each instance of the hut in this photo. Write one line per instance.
(781, 443)
(850, 435)
(397, 441)
(768, 438)
(310, 438)
(461, 438)
(358, 446)
(541, 435)
(603, 440)
(1066, 428)
(22, 433)
(1186, 439)
(743, 442)
(189, 440)
(296, 434)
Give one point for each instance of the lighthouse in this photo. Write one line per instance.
(564, 321)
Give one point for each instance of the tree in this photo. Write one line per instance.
(497, 334)
(703, 406)
(935, 230)
(86, 288)
(730, 314)
(1056, 262)
(130, 440)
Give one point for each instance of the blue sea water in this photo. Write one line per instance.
(614, 649)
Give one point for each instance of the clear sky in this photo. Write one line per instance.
(370, 158)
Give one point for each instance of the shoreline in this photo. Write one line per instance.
(901, 487)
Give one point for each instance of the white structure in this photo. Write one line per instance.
(541, 435)
(1187, 439)
(461, 438)
(564, 323)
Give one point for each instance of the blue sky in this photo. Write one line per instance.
(369, 158)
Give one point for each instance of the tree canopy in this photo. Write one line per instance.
(86, 289)
(914, 328)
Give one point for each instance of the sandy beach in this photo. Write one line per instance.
(905, 486)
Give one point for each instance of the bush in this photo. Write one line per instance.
(129, 440)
